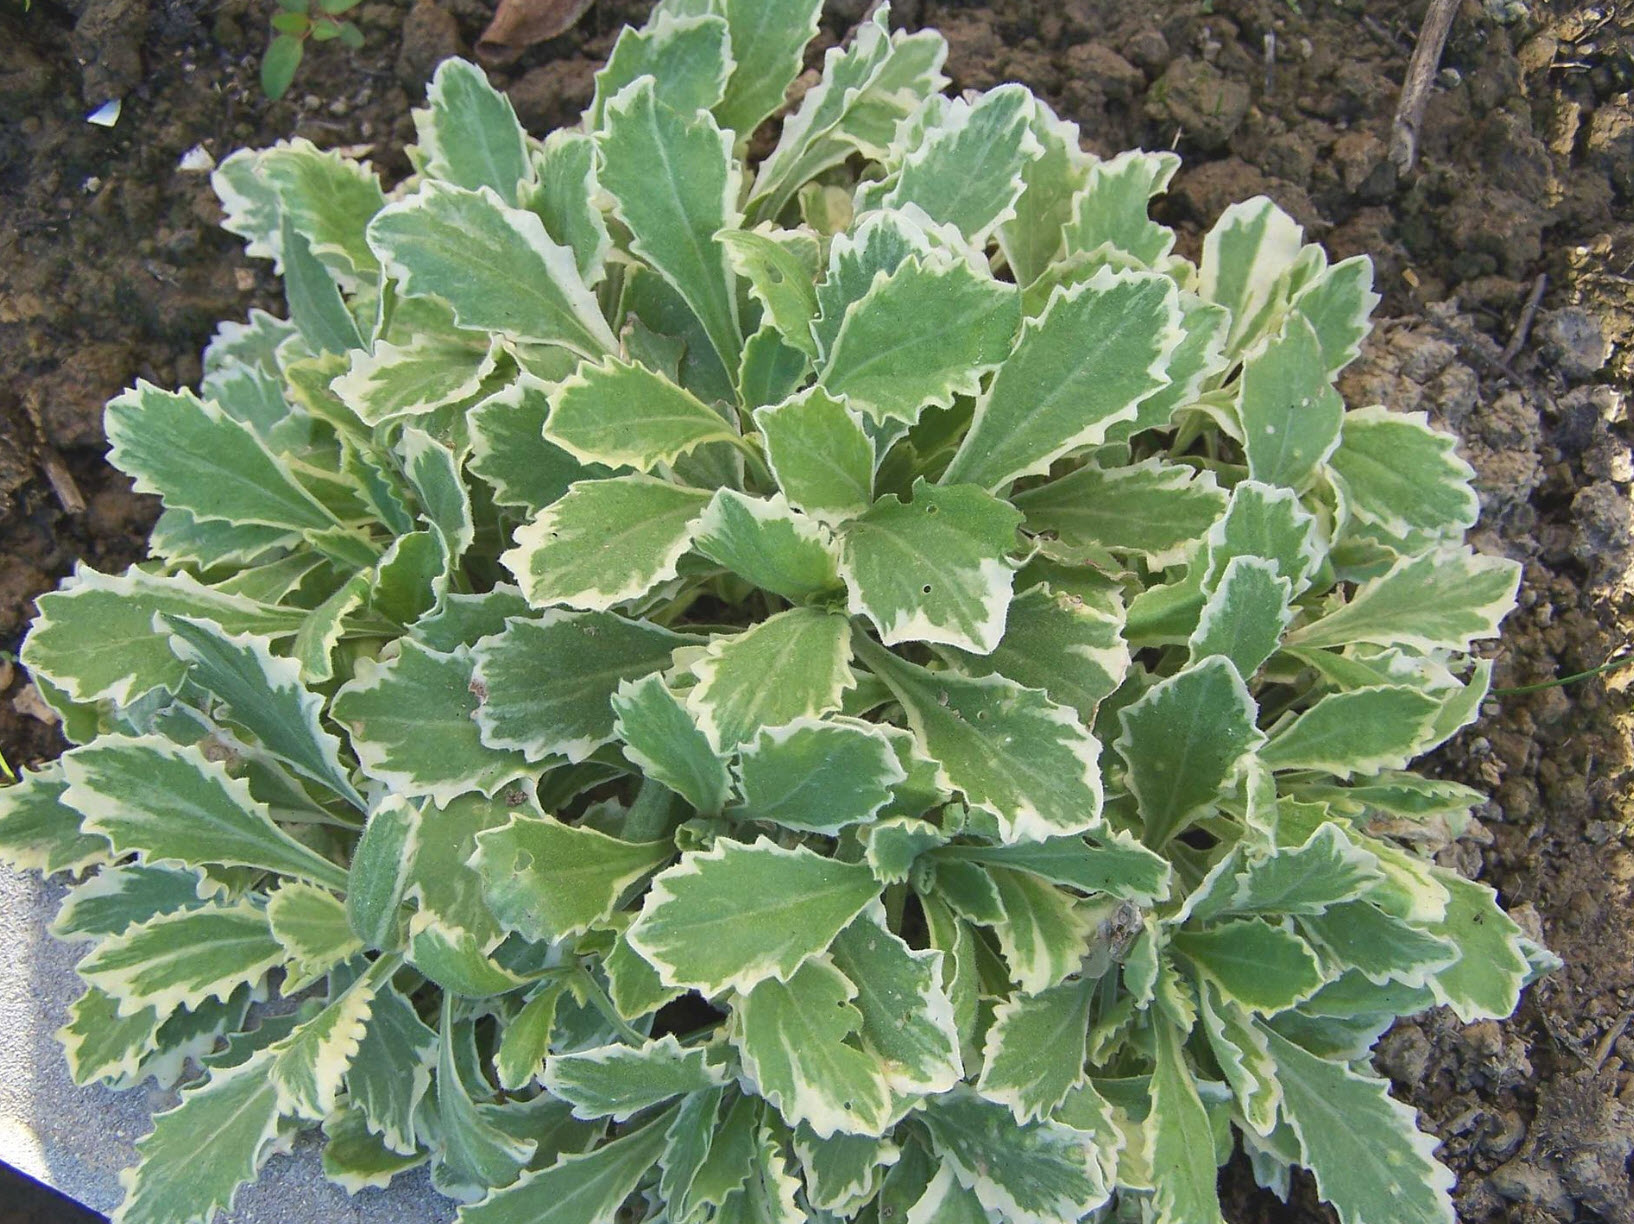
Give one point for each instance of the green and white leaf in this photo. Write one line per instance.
(549, 880)
(1244, 256)
(1243, 1053)
(1039, 1173)
(769, 544)
(965, 164)
(624, 415)
(675, 185)
(815, 776)
(355, 1159)
(1009, 750)
(619, 1081)
(411, 724)
(39, 832)
(468, 133)
(733, 916)
(1290, 416)
(808, 650)
(311, 925)
(687, 55)
(820, 454)
(199, 1153)
(919, 336)
(382, 865)
(1180, 1138)
(1371, 1161)
(510, 453)
(409, 380)
(1401, 476)
(549, 681)
(1111, 210)
(605, 542)
(1070, 647)
(312, 1060)
(390, 1072)
(843, 1171)
(1337, 304)
(1443, 600)
(779, 277)
(1383, 948)
(933, 569)
(316, 306)
(1327, 869)
(494, 265)
(100, 1044)
(182, 959)
(263, 694)
(116, 898)
(1245, 615)
(1119, 866)
(434, 472)
(328, 199)
(564, 199)
(1364, 730)
(1204, 711)
(1155, 510)
(768, 41)
(908, 1021)
(1263, 967)
(526, 1037)
(576, 1189)
(792, 1034)
(201, 460)
(1042, 931)
(474, 1152)
(456, 959)
(866, 88)
(1098, 349)
(1485, 981)
(1032, 238)
(172, 804)
(661, 738)
(1034, 1053)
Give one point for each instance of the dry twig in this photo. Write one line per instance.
(62, 482)
(1415, 90)
(1517, 338)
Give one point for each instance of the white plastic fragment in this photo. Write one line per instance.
(107, 114)
(196, 160)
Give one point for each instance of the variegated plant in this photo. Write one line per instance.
(863, 687)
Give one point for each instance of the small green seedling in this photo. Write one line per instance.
(294, 23)
(861, 686)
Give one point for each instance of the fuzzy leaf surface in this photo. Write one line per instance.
(1010, 750)
(549, 681)
(933, 569)
(1085, 364)
(549, 880)
(739, 914)
(605, 542)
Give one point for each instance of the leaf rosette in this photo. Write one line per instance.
(854, 685)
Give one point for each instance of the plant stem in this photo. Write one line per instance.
(599, 1000)
(1614, 665)
(648, 817)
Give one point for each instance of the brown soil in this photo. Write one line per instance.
(110, 270)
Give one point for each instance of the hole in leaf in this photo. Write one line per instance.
(925, 590)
